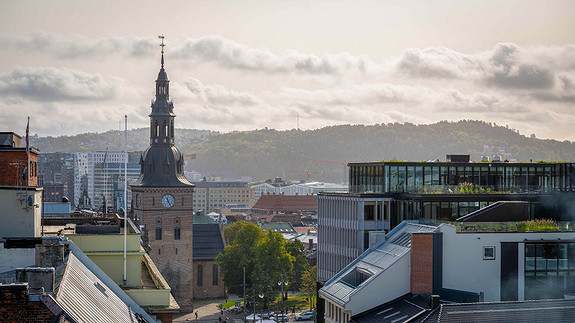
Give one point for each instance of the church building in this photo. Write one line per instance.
(162, 198)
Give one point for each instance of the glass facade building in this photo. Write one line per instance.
(447, 177)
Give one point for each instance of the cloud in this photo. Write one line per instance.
(371, 94)
(49, 84)
(219, 95)
(228, 54)
(507, 66)
(76, 46)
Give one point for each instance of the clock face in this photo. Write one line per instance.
(168, 201)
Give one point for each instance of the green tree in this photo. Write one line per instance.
(273, 260)
(241, 253)
(309, 284)
(231, 231)
(296, 249)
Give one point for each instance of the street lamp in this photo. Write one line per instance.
(261, 295)
(283, 281)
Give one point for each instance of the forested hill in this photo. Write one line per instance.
(267, 153)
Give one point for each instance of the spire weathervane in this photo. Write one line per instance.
(162, 45)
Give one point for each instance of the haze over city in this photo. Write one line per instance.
(81, 66)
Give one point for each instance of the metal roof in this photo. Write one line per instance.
(87, 294)
(208, 243)
(375, 261)
(557, 311)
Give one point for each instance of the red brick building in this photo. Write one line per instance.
(13, 161)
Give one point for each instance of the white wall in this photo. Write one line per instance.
(463, 264)
(15, 219)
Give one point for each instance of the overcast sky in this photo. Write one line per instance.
(80, 66)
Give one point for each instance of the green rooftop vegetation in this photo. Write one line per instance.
(539, 225)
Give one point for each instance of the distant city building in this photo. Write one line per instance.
(99, 173)
(279, 186)
(193, 176)
(212, 196)
(56, 175)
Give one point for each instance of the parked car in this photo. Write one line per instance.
(267, 315)
(278, 318)
(304, 316)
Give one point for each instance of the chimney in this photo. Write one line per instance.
(50, 253)
(433, 301)
(40, 280)
(310, 244)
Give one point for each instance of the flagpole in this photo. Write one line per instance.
(28, 155)
(125, 194)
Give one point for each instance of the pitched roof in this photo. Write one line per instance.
(372, 262)
(208, 242)
(281, 227)
(87, 294)
(286, 203)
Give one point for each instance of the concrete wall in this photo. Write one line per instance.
(16, 218)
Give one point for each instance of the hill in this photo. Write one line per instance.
(268, 153)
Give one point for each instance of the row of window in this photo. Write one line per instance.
(501, 177)
(200, 275)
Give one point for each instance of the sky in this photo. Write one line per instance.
(80, 66)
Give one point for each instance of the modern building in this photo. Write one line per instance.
(162, 198)
(383, 194)
(56, 175)
(480, 263)
(212, 196)
(100, 173)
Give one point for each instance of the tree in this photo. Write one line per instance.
(231, 231)
(241, 253)
(296, 249)
(309, 284)
(273, 260)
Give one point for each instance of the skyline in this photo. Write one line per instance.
(80, 67)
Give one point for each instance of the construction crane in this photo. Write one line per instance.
(308, 172)
(341, 162)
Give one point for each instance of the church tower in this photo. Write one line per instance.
(162, 197)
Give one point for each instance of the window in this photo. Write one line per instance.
(549, 270)
(488, 253)
(176, 233)
(200, 275)
(215, 275)
(158, 233)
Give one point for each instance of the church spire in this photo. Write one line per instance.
(162, 45)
